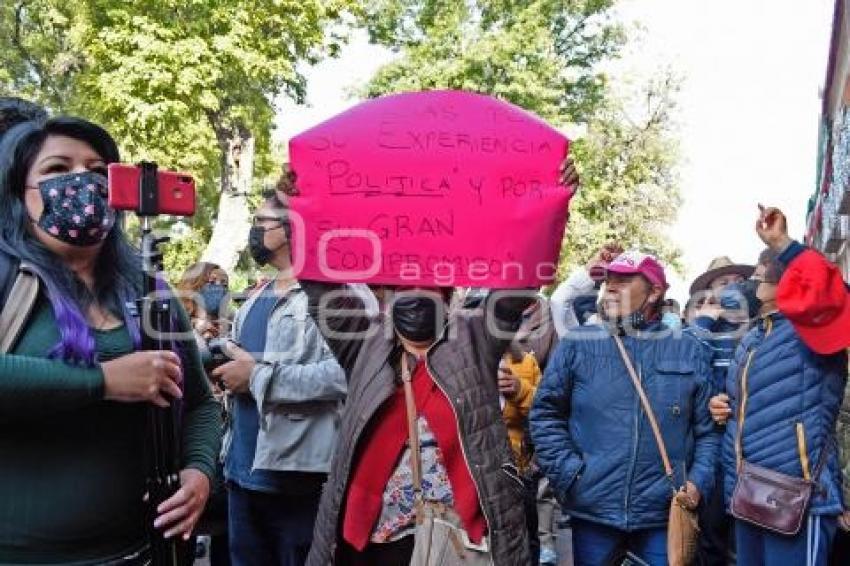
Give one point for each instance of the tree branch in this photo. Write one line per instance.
(17, 40)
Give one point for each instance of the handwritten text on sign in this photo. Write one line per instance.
(441, 187)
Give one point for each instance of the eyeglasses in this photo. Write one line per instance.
(262, 220)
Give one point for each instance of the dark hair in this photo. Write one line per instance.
(273, 201)
(117, 270)
(14, 111)
(773, 267)
(671, 305)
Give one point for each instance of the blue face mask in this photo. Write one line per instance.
(213, 295)
(671, 320)
(736, 296)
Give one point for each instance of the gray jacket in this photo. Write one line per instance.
(299, 389)
(463, 363)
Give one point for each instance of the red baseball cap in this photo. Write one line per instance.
(636, 263)
(813, 296)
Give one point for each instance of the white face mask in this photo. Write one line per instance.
(671, 320)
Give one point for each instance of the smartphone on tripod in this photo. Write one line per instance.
(149, 193)
(175, 191)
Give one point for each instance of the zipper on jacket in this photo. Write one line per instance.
(742, 410)
(803, 450)
(631, 467)
(635, 438)
(462, 444)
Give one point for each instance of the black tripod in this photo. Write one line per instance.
(163, 438)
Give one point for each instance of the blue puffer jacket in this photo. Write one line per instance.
(593, 440)
(787, 384)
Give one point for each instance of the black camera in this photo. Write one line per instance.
(218, 354)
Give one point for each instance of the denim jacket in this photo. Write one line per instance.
(299, 389)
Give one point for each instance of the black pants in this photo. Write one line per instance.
(840, 555)
(396, 553)
(715, 529)
(529, 501)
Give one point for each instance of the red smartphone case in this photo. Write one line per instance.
(176, 190)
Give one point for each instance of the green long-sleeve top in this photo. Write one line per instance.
(72, 464)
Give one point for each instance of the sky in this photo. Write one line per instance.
(748, 111)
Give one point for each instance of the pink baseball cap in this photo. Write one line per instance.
(635, 263)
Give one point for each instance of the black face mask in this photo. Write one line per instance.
(635, 321)
(75, 208)
(737, 295)
(257, 246)
(415, 317)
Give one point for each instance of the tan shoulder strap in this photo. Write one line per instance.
(412, 428)
(650, 414)
(18, 306)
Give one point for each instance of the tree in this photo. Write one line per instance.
(629, 191)
(540, 54)
(39, 53)
(545, 55)
(188, 84)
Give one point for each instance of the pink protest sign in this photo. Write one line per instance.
(441, 188)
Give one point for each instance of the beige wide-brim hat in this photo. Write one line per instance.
(719, 267)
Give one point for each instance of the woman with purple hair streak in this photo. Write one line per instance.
(74, 389)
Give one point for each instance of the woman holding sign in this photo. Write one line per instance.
(420, 376)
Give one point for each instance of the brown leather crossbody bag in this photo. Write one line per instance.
(767, 498)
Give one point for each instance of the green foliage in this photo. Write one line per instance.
(541, 55)
(545, 55)
(629, 191)
(182, 251)
(175, 81)
(40, 56)
(172, 80)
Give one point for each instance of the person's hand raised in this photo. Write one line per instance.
(710, 308)
(568, 175)
(605, 255)
(772, 228)
(286, 184)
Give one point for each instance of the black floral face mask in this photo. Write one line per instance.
(75, 208)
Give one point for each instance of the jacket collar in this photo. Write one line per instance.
(645, 328)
